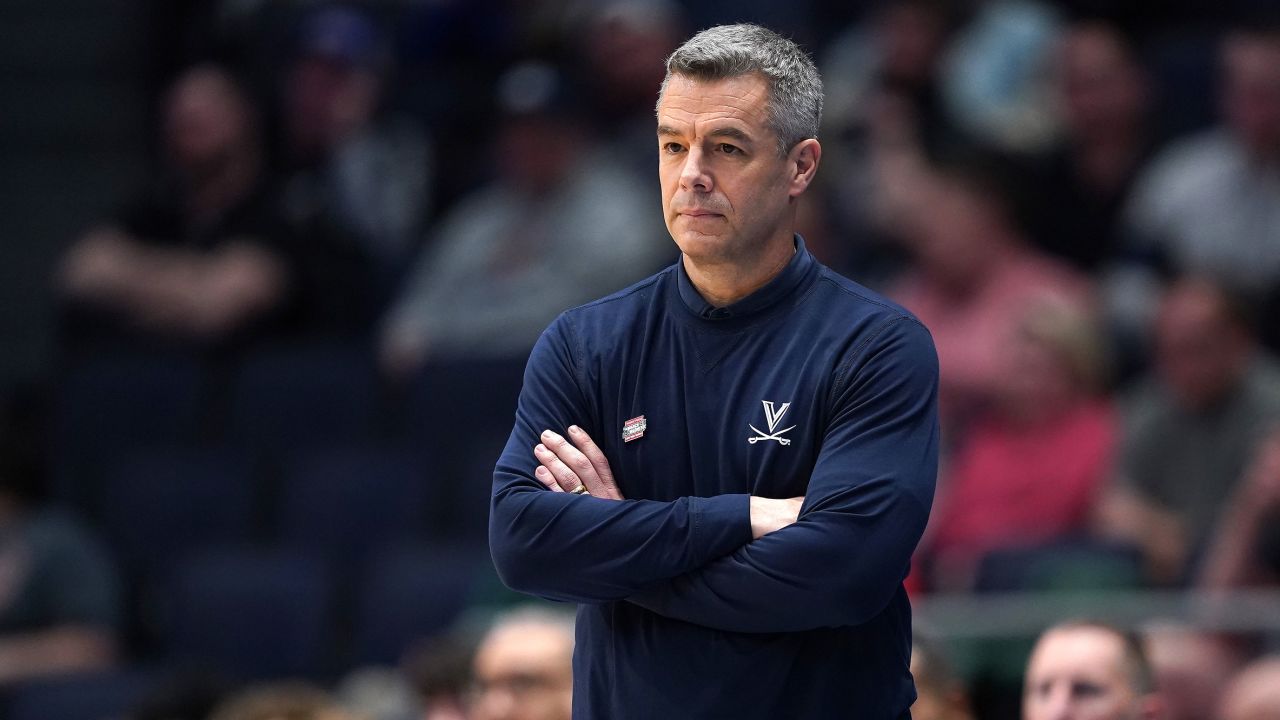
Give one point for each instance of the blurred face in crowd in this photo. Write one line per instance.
(1191, 669)
(206, 122)
(1255, 693)
(327, 99)
(726, 190)
(536, 152)
(1201, 353)
(524, 671)
(913, 34)
(1040, 383)
(1252, 91)
(1101, 89)
(1081, 673)
(954, 241)
(627, 46)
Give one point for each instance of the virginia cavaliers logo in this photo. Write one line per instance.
(773, 417)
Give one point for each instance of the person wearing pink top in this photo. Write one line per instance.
(973, 277)
(1032, 468)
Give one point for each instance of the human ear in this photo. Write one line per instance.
(802, 161)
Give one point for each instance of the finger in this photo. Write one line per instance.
(544, 476)
(567, 479)
(574, 460)
(593, 453)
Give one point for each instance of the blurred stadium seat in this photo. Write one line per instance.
(461, 413)
(88, 696)
(164, 503)
(346, 501)
(113, 405)
(411, 592)
(252, 614)
(304, 396)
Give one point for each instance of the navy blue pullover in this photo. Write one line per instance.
(812, 386)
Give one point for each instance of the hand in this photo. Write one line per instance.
(1261, 488)
(566, 467)
(769, 514)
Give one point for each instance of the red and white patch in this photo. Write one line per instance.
(634, 428)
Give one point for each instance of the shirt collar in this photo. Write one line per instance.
(773, 291)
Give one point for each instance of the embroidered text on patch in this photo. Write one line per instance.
(634, 428)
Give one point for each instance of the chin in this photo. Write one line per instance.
(702, 246)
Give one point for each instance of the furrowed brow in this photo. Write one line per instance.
(730, 133)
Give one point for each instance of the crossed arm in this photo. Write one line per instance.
(731, 562)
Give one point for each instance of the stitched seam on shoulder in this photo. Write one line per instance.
(842, 372)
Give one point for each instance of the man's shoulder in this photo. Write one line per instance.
(842, 300)
(617, 310)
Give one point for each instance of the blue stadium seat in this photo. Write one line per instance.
(251, 614)
(409, 593)
(1072, 564)
(304, 396)
(462, 413)
(81, 696)
(115, 404)
(163, 503)
(342, 502)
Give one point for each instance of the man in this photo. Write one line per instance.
(1210, 203)
(771, 426)
(523, 668)
(1191, 428)
(1088, 671)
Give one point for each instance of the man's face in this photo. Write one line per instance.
(1251, 93)
(1200, 354)
(524, 672)
(725, 189)
(1079, 674)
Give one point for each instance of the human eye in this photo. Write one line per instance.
(1088, 690)
(671, 148)
(728, 149)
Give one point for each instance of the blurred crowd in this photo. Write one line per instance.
(286, 365)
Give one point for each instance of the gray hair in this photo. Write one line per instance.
(728, 51)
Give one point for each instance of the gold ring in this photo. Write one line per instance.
(580, 490)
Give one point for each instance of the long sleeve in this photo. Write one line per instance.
(865, 507)
(585, 549)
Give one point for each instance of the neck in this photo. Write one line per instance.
(724, 282)
(220, 190)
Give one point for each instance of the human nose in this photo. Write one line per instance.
(1058, 706)
(695, 175)
(496, 705)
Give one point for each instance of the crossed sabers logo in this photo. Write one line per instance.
(772, 415)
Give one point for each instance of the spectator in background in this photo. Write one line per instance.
(1190, 428)
(1081, 185)
(205, 261)
(973, 278)
(622, 45)
(996, 74)
(883, 118)
(1254, 694)
(1192, 668)
(1210, 204)
(940, 695)
(59, 594)
(440, 672)
(1089, 671)
(199, 261)
(559, 226)
(1245, 549)
(1032, 469)
(523, 669)
(281, 701)
(348, 161)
